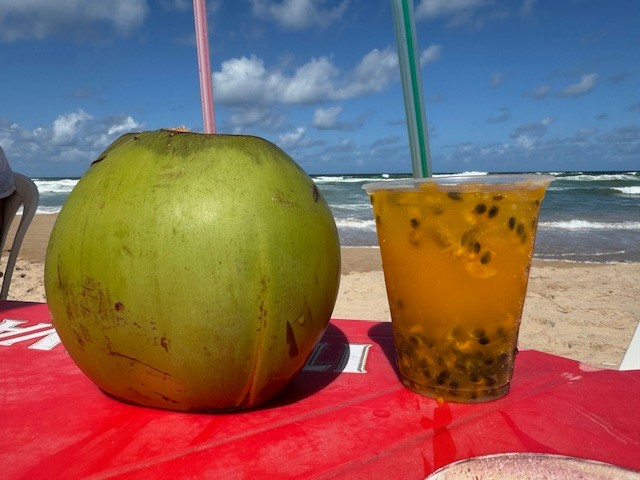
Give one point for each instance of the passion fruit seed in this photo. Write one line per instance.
(455, 364)
(468, 239)
(490, 381)
(474, 377)
(522, 232)
(458, 333)
(442, 377)
(415, 223)
(480, 208)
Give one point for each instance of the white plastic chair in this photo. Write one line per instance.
(27, 195)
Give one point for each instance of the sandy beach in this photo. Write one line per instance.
(586, 312)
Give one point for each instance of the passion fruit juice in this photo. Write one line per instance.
(456, 259)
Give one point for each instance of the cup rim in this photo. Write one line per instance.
(494, 181)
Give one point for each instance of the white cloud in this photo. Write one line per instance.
(77, 19)
(128, 124)
(585, 85)
(619, 147)
(535, 129)
(291, 140)
(76, 137)
(503, 115)
(311, 83)
(471, 13)
(326, 118)
(248, 116)
(496, 79)
(443, 8)
(474, 13)
(540, 92)
(177, 4)
(212, 6)
(372, 74)
(251, 116)
(247, 81)
(298, 14)
(526, 8)
(65, 127)
(430, 54)
(243, 81)
(525, 142)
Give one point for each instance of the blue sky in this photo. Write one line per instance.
(532, 85)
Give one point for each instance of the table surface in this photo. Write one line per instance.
(346, 415)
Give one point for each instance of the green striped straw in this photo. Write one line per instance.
(404, 26)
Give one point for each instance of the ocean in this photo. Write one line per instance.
(585, 216)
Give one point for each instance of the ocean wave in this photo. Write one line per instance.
(582, 254)
(350, 207)
(633, 190)
(604, 177)
(594, 190)
(57, 186)
(356, 223)
(322, 179)
(588, 225)
(349, 179)
(612, 257)
(462, 174)
(47, 210)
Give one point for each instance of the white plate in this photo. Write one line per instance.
(531, 466)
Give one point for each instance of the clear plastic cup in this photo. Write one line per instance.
(456, 253)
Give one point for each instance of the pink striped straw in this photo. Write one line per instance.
(204, 67)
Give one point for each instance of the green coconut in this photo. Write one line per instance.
(192, 272)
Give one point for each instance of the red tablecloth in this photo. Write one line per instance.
(345, 416)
